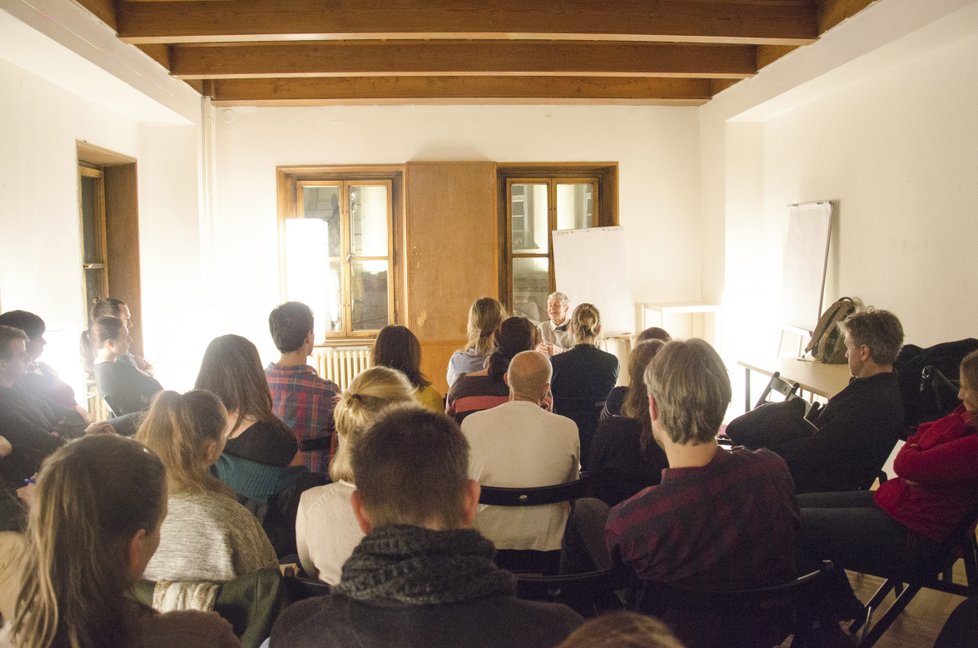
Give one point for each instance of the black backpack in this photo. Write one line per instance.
(828, 344)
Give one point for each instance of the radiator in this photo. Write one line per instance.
(341, 365)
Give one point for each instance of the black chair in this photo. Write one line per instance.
(589, 593)
(761, 616)
(777, 385)
(547, 562)
(934, 573)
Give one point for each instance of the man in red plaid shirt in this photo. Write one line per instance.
(300, 397)
(719, 519)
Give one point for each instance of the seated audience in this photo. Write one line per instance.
(398, 348)
(905, 520)
(554, 336)
(232, 370)
(207, 535)
(40, 379)
(302, 399)
(483, 389)
(583, 376)
(485, 316)
(30, 426)
(719, 519)
(624, 457)
(854, 433)
(125, 388)
(420, 577)
(520, 444)
(94, 524)
(109, 307)
(612, 406)
(326, 531)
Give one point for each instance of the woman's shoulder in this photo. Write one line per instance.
(205, 507)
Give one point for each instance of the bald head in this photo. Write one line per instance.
(528, 376)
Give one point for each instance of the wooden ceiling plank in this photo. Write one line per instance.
(832, 12)
(104, 10)
(455, 58)
(159, 52)
(408, 89)
(767, 54)
(703, 21)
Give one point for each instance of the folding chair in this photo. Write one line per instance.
(779, 385)
(588, 594)
(747, 616)
(907, 580)
(529, 560)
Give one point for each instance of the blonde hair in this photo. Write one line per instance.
(370, 393)
(585, 323)
(968, 371)
(622, 629)
(178, 429)
(92, 497)
(485, 316)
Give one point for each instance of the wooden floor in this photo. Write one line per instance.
(923, 619)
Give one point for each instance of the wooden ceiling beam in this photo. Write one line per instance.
(410, 90)
(831, 12)
(787, 22)
(461, 58)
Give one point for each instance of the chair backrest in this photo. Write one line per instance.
(299, 588)
(653, 595)
(537, 496)
(943, 390)
(588, 593)
(779, 385)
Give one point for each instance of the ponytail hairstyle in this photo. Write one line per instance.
(369, 394)
(515, 334)
(178, 428)
(485, 316)
(108, 307)
(398, 348)
(93, 496)
(585, 323)
(231, 369)
(105, 329)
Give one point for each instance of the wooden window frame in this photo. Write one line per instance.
(86, 170)
(291, 181)
(602, 175)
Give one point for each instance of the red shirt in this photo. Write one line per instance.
(937, 476)
(305, 402)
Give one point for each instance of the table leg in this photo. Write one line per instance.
(746, 389)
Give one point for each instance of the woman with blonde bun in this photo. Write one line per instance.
(326, 532)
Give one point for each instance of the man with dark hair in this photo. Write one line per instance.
(300, 397)
(850, 438)
(31, 430)
(421, 576)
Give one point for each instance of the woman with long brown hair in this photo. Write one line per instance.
(94, 524)
(398, 348)
(232, 370)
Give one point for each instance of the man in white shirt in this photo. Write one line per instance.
(554, 334)
(520, 444)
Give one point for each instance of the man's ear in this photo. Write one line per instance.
(212, 452)
(653, 408)
(360, 512)
(506, 378)
(135, 553)
(470, 502)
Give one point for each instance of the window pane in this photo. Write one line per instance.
(306, 266)
(334, 297)
(531, 285)
(324, 203)
(368, 285)
(528, 206)
(575, 206)
(368, 220)
(90, 220)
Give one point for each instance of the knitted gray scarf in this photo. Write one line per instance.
(408, 565)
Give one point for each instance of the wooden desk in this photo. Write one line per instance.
(818, 378)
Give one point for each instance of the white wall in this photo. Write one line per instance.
(657, 150)
(900, 153)
(40, 268)
(878, 115)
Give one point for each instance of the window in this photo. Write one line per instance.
(95, 265)
(537, 200)
(337, 247)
